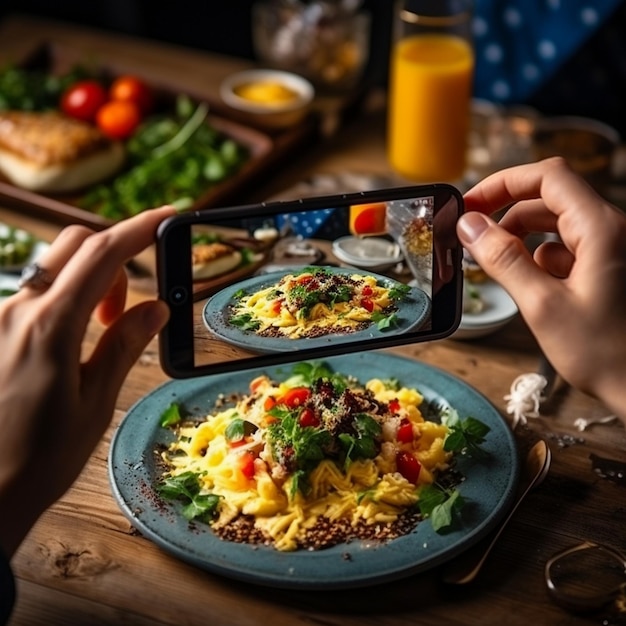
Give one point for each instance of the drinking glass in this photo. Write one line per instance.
(432, 65)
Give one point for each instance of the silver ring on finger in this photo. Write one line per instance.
(35, 277)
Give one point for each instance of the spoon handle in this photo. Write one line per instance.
(465, 567)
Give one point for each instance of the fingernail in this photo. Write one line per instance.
(471, 226)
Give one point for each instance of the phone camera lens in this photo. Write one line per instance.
(178, 295)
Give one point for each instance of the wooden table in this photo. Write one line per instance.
(84, 564)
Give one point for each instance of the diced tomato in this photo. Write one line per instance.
(295, 397)
(308, 418)
(257, 383)
(367, 290)
(270, 403)
(303, 280)
(405, 432)
(394, 405)
(408, 466)
(247, 465)
(276, 306)
(367, 304)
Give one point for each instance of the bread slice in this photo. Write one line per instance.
(212, 259)
(50, 152)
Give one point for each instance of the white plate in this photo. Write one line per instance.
(499, 310)
(367, 252)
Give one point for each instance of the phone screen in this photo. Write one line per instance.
(301, 279)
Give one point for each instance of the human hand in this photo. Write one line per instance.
(54, 408)
(572, 294)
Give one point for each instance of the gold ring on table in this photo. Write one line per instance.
(35, 277)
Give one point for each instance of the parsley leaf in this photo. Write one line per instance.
(440, 505)
(245, 321)
(185, 487)
(171, 416)
(399, 291)
(383, 321)
(465, 436)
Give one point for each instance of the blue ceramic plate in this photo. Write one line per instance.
(488, 488)
(412, 312)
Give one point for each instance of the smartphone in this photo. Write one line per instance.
(275, 282)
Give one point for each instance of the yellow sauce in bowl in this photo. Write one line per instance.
(266, 92)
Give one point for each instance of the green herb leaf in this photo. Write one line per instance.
(245, 321)
(465, 436)
(383, 321)
(238, 428)
(185, 487)
(439, 505)
(171, 416)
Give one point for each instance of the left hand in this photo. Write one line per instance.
(55, 404)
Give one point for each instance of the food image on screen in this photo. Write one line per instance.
(315, 459)
(317, 301)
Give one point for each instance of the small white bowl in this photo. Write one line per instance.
(367, 252)
(499, 310)
(270, 113)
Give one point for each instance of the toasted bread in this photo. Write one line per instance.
(50, 152)
(212, 259)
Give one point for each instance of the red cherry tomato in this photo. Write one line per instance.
(308, 418)
(83, 100)
(132, 89)
(394, 405)
(405, 432)
(408, 466)
(118, 119)
(293, 398)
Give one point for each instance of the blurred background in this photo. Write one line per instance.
(583, 73)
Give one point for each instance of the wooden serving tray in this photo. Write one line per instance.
(265, 150)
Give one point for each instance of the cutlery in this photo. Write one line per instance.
(465, 568)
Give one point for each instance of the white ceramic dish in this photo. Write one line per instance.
(499, 310)
(367, 252)
(270, 113)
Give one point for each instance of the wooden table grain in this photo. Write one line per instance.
(83, 563)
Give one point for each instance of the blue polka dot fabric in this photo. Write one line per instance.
(305, 224)
(521, 44)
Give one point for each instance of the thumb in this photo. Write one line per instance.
(122, 344)
(502, 256)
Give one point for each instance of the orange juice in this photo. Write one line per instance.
(368, 219)
(429, 107)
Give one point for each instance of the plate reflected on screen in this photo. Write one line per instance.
(367, 252)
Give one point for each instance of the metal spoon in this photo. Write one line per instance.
(465, 568)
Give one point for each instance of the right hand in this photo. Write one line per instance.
(572, 294)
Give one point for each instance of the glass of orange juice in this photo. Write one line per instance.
(432, 66)
(368, 219)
